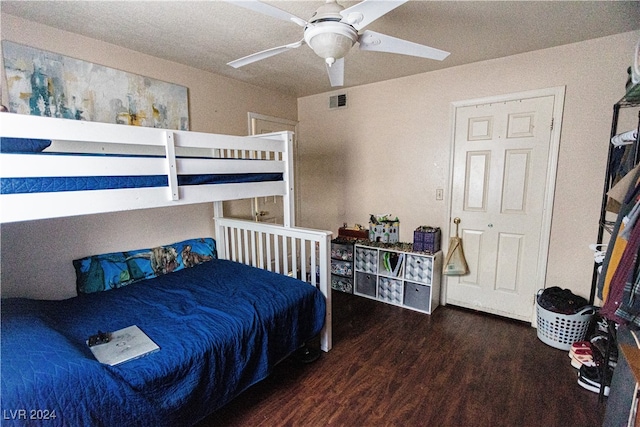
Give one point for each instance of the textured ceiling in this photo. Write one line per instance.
(208, 34)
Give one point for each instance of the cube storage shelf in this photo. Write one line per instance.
(406, 279)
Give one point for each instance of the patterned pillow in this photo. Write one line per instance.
(117, 269)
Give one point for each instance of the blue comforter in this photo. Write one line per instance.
(221, 326)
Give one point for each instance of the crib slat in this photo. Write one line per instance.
(285, 255)
(276, 249)
(303, 260)
(269, 244)
(261, 250)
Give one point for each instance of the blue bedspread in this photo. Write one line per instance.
(221, 326)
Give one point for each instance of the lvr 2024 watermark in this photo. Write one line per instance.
(29, 414)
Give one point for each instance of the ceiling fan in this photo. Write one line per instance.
(333, 30)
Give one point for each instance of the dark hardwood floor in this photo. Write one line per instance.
(395, 367)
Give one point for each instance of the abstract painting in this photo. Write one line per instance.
(43, 83)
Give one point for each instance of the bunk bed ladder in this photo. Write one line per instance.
(172, 173)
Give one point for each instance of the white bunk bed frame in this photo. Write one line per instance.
(286, 249)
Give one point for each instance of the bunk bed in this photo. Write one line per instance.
(222, 318)
(98, 167)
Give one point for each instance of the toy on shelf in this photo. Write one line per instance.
(355, 232)
(426, 239)
(384, 229)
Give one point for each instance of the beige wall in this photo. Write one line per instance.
(36, 256)
(389, 150)
(386, 153)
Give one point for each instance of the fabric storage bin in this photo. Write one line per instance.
(365, 284)
(561, 330)
(427, 241)
(342, 251)
(343, 268)
(367, 260)
(417, 296)
(342, 284)
(419, 269)
(390, 290)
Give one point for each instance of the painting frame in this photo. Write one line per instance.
(50, 84)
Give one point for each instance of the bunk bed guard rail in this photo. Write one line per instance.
(99, 150)
(298, 252)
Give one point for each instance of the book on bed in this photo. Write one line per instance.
(126, 344)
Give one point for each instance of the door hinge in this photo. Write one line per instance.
(552, 123)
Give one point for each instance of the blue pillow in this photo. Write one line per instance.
(117, 269)
(23, 145)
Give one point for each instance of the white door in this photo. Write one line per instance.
(503, 177)
(270, 209)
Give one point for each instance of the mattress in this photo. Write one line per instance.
(221, 327)
(56, 184)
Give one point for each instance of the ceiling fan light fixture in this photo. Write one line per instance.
(333, 30)
(330, 40)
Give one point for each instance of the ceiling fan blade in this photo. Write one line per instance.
(377, 42)
(268, 10)
(254, 57)
(336, 72)
(364, 13)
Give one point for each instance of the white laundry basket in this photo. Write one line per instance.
(561, 330)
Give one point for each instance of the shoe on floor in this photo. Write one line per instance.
(581, 352)
(581, 345)
(591, 387)
(306, 354)
(599, 345)
(590, 379)
(577, 361)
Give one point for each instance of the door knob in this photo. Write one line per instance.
(490, 225)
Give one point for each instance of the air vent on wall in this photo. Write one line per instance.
(338, 101)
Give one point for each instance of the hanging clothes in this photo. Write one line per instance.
(623, 276)
(629, 309)
(615, 250)
(621, 283)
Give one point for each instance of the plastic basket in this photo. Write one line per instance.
(561, 330)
